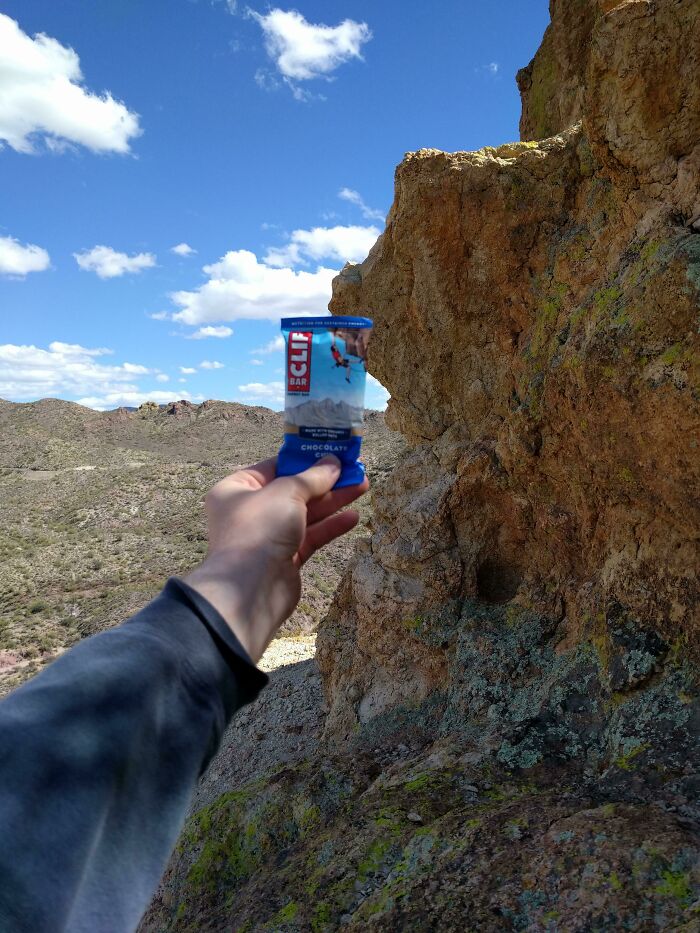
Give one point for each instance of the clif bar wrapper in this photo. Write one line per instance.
(325, 393)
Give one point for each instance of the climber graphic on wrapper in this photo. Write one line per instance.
(355, 345)
(325, 392)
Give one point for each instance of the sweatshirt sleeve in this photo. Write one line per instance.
(99, 757)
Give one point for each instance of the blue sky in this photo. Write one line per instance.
(264, 138)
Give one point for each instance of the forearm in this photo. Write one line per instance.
(99, 756)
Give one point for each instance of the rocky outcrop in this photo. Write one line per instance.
(536, 321)
(552, 85)
(510, 664)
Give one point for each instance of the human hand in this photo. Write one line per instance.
(262, 530)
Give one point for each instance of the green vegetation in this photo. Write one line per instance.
(676, 884)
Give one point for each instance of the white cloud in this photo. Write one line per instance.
(256, 363)
(302, 51)
(240, 286)
(187, 370)
(493, 67)
(182, 380)
(205, 332)
(133, 369)
(159, 315)
(109, 264)
(354, 197)
(182, 249)
(377, 395)
(16, 259)
(274, 346)
(133, 398)
(30, 372)
(162, 377)
(211, 364)
(42, 97)
(267, 392)
(265, 80)
(342, 244)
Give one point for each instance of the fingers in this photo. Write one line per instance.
(251, 479)
(314, 482)
(261, 473)
(325, 531)
(333, 501)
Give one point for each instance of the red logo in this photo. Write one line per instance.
(299, 361)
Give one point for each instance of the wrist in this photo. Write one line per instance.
(224, 592)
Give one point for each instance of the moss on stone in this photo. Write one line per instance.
(626, 760)
(675, 884)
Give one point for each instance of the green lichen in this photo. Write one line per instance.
(626, 760)
(676, 884)
(287, 913)
(413, 623)
(543, 89)
(670, 356)
(626, 475)
(321, 918)
(420, 782)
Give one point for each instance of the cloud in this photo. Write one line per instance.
(239, 286)
(493, 68)
(205, 332)
(211, 364)
(16, 259)
(256, 362)
(274, 346)
(354, 197)
(377, 395)
(268, 392)
(187, 370)
(133, 398)
(342, 244)
(30, 372)
(162, 377)
(109, 264)
(265, 80)
(42, 97)
(182, 249)
(302, 51)
(160, 315)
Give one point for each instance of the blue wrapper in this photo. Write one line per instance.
(325, 393)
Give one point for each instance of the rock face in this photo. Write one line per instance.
(510, 664)
(536, 322)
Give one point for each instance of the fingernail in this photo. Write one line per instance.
(330, 459)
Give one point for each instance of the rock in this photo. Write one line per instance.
(414, 817)
(535, 312)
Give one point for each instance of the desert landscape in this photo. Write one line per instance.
(99, 509)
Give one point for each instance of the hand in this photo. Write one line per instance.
(261, 532)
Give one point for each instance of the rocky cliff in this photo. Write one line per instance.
(510, 664)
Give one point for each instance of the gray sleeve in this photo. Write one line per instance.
(99, 757)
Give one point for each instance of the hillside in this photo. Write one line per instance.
(100, 508)
(512, 729)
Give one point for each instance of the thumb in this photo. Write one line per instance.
(316, 480)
